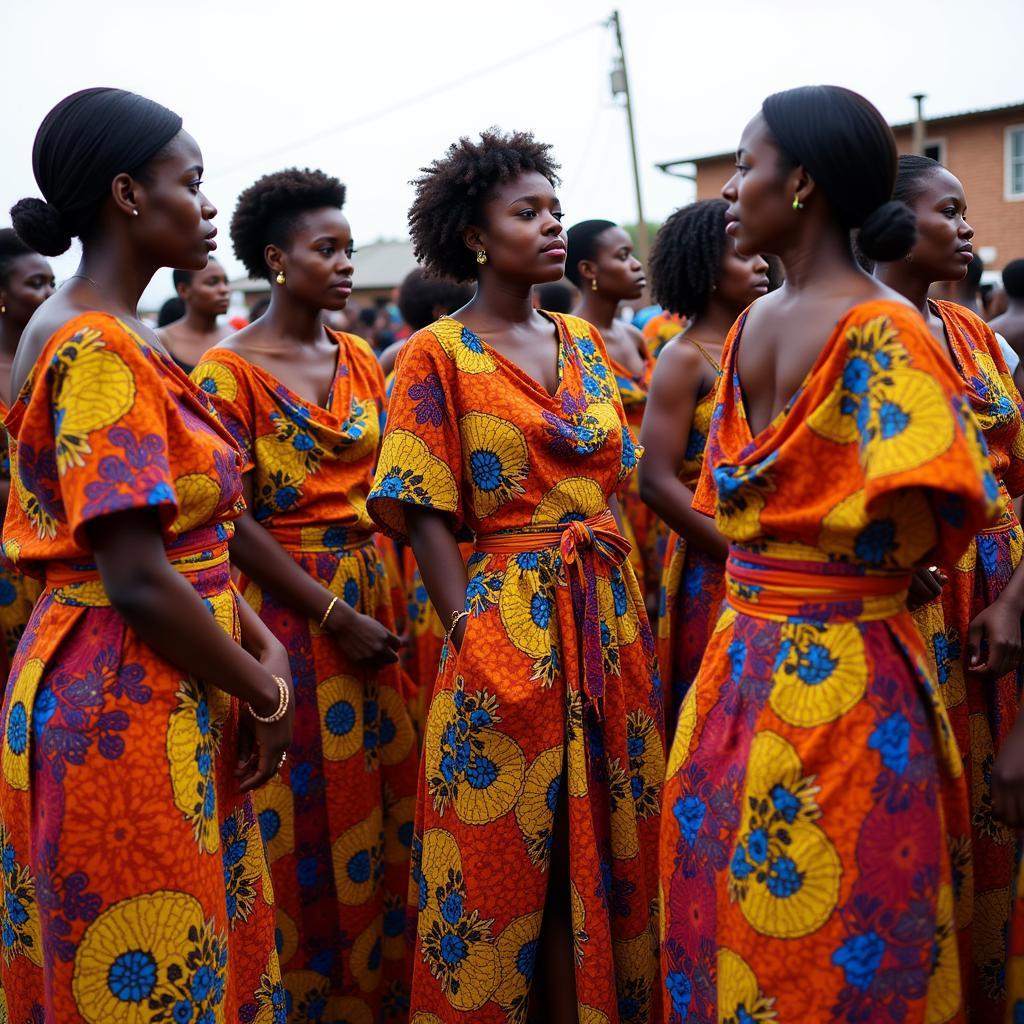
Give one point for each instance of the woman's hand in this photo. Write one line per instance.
(925, 586)
(365, 640)
(262, 744)
(1008, 780)
(994, 641)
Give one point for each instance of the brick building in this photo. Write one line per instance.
(983, 148)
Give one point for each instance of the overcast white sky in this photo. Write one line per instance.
(370, 91)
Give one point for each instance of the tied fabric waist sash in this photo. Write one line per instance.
(776, 588)
(80, 584)
(581, 543)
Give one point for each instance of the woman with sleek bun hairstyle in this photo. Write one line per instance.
(973, 632)
(697, 273)
(146, 699)
(305, 404)
(814, 787)
(535, 848)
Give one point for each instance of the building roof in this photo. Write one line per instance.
(378, 265)
(943, 119)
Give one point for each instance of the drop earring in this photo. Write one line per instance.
(481, 256)
(593, 284)
(280, 277)
(797, 205)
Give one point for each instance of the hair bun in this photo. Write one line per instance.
(888, 232)
(40, 226)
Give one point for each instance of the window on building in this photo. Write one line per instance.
(935, 149)
(1015, 162)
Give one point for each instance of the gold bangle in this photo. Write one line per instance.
(282, 704)
(323, 621)
(457, 617)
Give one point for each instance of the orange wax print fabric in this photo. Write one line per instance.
(639, 523)
(692, 583)
(814, 784)
(18, 592)
(660, 329)
(553, 695)
(338, 818)
(135, 886)
(981, 709)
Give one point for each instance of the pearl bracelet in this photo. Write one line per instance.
(282, 704)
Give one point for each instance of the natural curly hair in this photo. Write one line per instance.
(451, 192)
(269, 211)
(686, 257)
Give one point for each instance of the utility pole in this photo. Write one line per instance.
(918, 143)
(620, 87)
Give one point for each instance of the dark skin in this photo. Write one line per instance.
(172, 227)
(206, 297)
(521, 232)
(943, 253)
(27, 285)
(290, 343)
(682, 377)
(620, 278)
(1010, 324)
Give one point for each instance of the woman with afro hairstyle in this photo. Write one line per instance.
(534, 855)
(603, 267)
(973, 631)
(26, 282)
(305, 404)
(146, 699)
(814, 792)
(697, 273)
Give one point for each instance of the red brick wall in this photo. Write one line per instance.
(974, 153)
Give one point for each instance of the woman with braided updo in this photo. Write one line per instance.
(696, 273)
(534, 854)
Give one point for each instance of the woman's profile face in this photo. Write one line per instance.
(943, 250)
(760, 212)
(175, 221)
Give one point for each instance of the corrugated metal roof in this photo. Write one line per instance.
(378, 265)
(902, 126)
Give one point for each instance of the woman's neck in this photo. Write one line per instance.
(902, 276)
(716, 321)
(501, 302)
(117, 272)
(200, 323)
(293, 320)
(598, 308)
(10, 335)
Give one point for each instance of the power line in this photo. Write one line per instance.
(411, 101)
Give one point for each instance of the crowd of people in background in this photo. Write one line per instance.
(510, 649)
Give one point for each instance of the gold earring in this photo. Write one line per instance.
(3, 309)
(593, 284)
(797, 205)
(481, 256)
(280, 277)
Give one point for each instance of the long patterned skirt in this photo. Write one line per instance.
(812, 790)
(692, 588)
(519, 723)
(338, 818)
(135, 886)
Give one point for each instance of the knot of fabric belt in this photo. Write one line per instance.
(598, 538)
